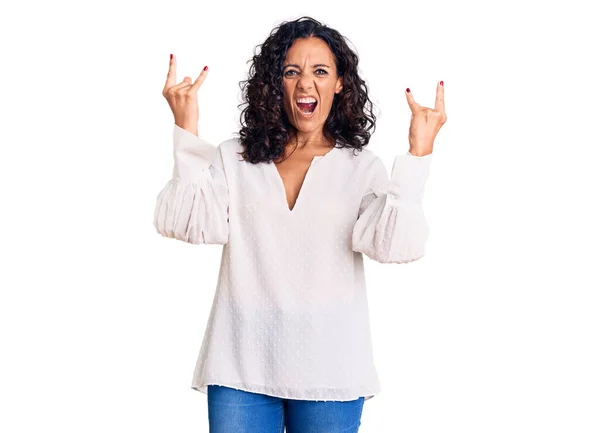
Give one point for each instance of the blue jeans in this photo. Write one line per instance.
(235, 411)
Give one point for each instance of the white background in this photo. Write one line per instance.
(496, 329)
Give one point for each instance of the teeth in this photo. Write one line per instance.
(306, 100)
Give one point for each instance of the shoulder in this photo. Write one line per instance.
(367, 168)
(229, 148)
(231, 144)
(363, 160)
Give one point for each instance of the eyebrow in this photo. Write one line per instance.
(314, 66)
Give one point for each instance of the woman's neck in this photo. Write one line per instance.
(316, 141)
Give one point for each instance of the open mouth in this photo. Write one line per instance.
(307, 108)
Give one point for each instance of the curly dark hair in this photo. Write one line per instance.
(265, 126)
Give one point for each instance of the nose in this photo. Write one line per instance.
(305, 83)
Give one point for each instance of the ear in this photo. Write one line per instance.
(339, 85)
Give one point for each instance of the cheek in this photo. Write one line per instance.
(287, 101)
(325, 103)
(326, 94)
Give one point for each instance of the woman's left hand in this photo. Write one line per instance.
(425, 122)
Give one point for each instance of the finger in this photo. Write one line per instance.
(172, 73)
(439, 99)
(200, 79)
(187, 82)
(411, 101)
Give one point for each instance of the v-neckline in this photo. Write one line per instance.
(281, 185)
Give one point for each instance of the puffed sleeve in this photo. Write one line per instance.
(391, 226)
(194, 204)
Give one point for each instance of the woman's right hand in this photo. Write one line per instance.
(183, 97)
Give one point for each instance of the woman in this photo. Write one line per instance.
(295, 201)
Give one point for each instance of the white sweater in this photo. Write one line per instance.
(290, 316)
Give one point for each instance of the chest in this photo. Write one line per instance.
(307, 189)
(292, 175)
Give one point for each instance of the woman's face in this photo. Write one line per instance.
(309, 71)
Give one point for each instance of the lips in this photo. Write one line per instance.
(307, 108)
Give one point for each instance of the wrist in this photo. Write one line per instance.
(191, 127)
(418, 153)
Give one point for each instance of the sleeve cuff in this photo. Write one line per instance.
(192, 154)
(408, 178)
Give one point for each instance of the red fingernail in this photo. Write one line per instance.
(171, 56)
(205, 68)
(442, 83)
(407, 89)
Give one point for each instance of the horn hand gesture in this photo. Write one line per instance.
(425, 122)
(183, 97)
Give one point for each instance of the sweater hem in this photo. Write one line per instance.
(313, 394)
